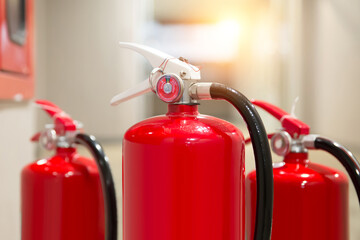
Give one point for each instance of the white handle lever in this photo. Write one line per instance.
(166, 62)
(138, 90)
(154, 56)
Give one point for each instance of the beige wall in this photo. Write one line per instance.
(84, 67)
(17, 126)
(329, 62)
(332, 68)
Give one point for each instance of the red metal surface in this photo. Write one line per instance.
(310, 201)
(290, 124)
(63, 122)
(183, 178)
(16, 61)
(61, 199)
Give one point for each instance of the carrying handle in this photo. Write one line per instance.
(107, 183)
(291, 124)
(165, 61)
(63, 130)
(62, 121)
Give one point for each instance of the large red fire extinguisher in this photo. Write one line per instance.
(310, 200)
(183, 172)
(67, 196)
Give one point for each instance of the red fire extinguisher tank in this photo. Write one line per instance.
(183, 177)
(310, 200)
(62, 198)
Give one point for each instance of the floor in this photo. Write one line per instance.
(113, 150)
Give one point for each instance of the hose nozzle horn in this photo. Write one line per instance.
(291, 124)
(62, 132)
(166, 78)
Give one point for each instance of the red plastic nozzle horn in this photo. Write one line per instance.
(292, 125)
(62, 121)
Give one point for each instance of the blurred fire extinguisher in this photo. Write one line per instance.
(67, 196)
(183, 172)
(310, 200)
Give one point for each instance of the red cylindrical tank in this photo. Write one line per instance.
(183, 178)
(62, 198)
(310, 201)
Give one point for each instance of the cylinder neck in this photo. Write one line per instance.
(66, 153)
(183, 110)
(301, 158)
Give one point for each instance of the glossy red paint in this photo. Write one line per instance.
(62, 121)
(291, 124)
(61, 198)
(183, 178)
(310, 201)
(16, 60)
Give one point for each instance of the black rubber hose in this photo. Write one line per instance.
(107, 183)
(264, 170)
(346, 158)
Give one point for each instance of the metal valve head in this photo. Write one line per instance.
(168, 79)
(48, 139)
(61, 132)
(280, 143)
(290, 138)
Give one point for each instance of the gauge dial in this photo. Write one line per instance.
(169, 88)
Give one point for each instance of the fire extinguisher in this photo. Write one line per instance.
(310, 200)
(183, 172)
(67, 196)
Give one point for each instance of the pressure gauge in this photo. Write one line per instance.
(169, 88)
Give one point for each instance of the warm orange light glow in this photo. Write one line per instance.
(226, 36)
(264, 38)
(230, 28)
(216, 42)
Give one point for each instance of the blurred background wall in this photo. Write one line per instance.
(274, 50)
(83, 67)
(17, 124)
(331, 58)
